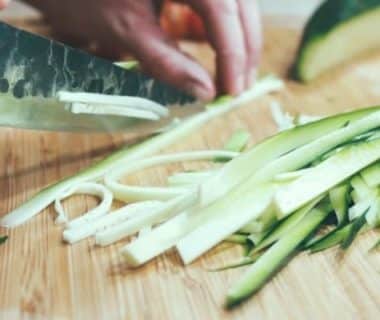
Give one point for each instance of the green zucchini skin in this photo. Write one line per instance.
(330, 15)
(277, 256)
(3, 239)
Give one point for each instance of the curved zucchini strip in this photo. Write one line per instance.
(129, 193)
(94, 189)
(150, 218)
(130, 154)
(89, 229)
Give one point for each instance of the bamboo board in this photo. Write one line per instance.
(42, 278)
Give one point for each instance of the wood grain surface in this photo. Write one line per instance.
(43, 278)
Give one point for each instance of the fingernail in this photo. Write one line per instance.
(200, 91)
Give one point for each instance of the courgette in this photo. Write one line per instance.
(283, 227)
(376, 246)
(338, 31)
(246, 202)
(235, 172)
(339, 198)
(371, 175)
(3, 239)
(274, 258)
(334, 170)
(134, 153)
(343, 236)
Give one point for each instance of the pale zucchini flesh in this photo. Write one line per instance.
(339, 198)
(46, 196)
(227, 217)
(130, 193)
(371, 175)
(113, 218)
(236, 211)
(235, 172)
(334, 170)
(160, 214)
(339, 31)
(162, 238)
(362, 189)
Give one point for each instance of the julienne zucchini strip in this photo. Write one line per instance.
(333, 170)
(134, 153)
(274, 258)
(237, 143)
(343, 235)
(249, 200)
(235, 172)
(175, 231)
(283, 227)
(339, 198)
(376, 246)
(266, 197)
(128, 193)
(109, 220)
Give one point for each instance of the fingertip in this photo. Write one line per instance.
(163, 60)
(185, 74)
(231, 82)
(200, 91)
(195, 80)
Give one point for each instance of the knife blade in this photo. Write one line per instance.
(33, 69)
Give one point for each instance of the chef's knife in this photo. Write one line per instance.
(33, 69)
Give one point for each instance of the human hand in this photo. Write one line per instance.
(4, 3)
(117, 26)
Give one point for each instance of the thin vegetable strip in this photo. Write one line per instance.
(46, 196)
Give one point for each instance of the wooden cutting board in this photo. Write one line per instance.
(43, 278)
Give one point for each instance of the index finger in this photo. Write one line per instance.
(251, 22)
(222, 21)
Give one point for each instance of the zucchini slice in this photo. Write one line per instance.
(337, 32)
(335, 170)
(371, 175)
(339, 198)
(278, 255)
